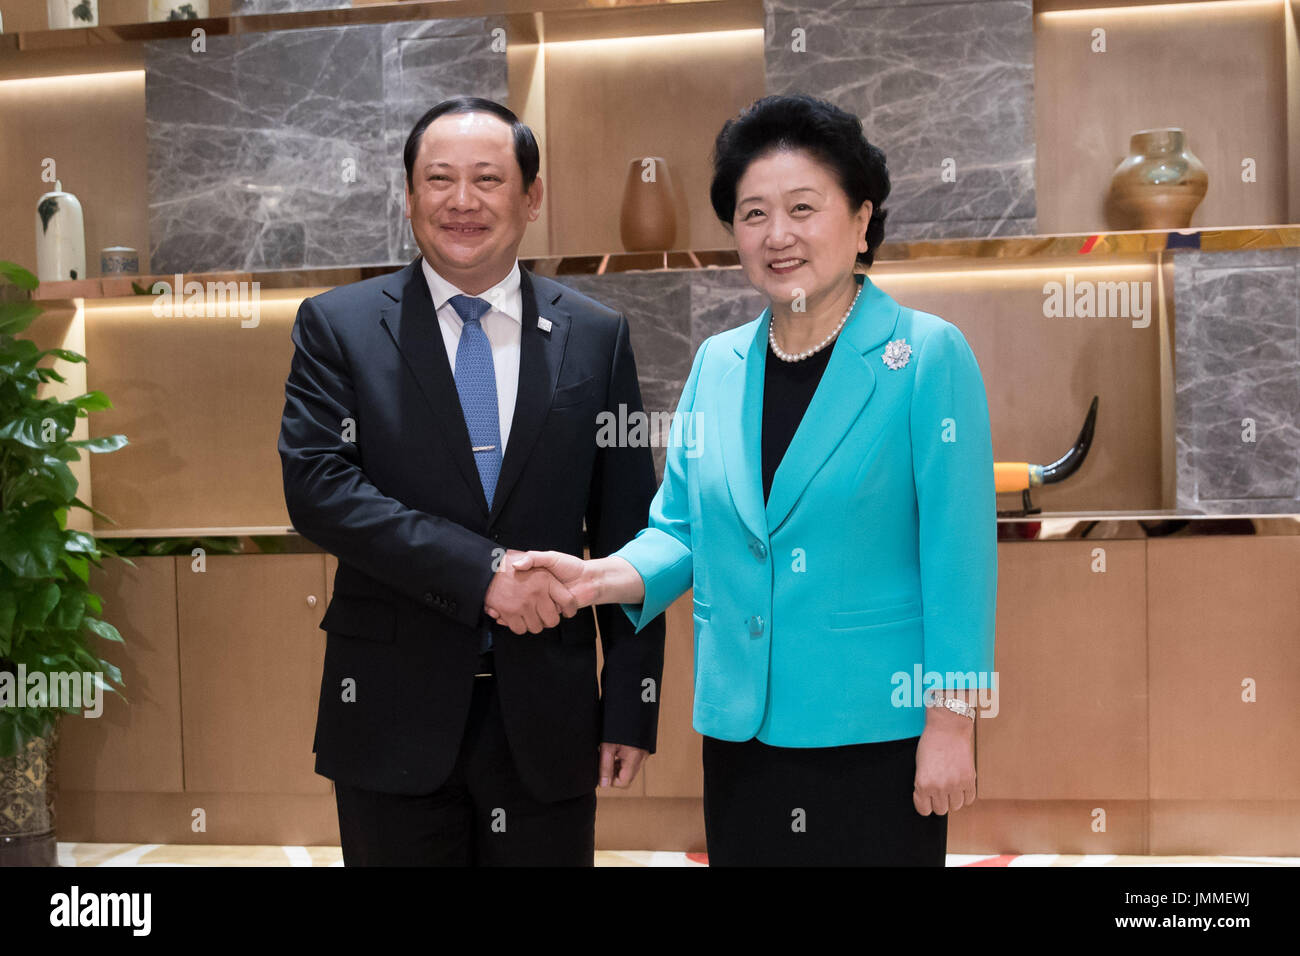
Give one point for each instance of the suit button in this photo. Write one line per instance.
(453, 606)
(755, 625)
(758, 548)
(428, 597)
(496, 535)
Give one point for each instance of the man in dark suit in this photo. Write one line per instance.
(439, 422)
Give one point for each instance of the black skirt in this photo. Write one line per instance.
(817, 806)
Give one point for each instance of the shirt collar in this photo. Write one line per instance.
(504, 296)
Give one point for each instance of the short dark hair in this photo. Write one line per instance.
(525, 142)
(798, 121)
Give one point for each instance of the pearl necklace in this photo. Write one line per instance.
(787, 357)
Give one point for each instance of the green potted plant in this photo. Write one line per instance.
(50, 624)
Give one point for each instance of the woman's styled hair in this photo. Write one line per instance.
(526, 152)
(801, 122)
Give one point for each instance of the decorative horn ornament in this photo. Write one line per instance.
(1009, 476)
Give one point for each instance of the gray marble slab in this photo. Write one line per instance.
(1237, 343)
(721, 299)
(242, 8)
(425, 63)
(670, 314)
(658, 310)
(931, 82)
(283, 150)
(247, 145)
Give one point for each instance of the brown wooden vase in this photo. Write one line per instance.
(649, 221)
(1158, 185)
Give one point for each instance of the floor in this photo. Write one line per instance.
(153, 854)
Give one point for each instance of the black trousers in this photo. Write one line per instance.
(482, 816)
(817, 806)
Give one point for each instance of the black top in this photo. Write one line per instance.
(788, 387)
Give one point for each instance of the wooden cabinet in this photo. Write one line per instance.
(135, 745)
(1072, 667)
(1225, 668)
(251, 656)
(676, 770)
(1120, 691)
(222, 669)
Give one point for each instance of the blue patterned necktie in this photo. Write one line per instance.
(476, 383)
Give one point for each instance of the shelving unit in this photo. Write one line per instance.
(602, 81)
(963, 250)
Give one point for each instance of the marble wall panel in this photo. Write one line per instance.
(658, 310)
(670, 314)
(1238, 362)
(283, 150)
(425, 63)
(252, 7)
(932, 82)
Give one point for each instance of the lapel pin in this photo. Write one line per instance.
(896, 354)
(544, 324)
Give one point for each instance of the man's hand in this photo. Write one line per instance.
(527, 601)
(628, 761)
(581, 578)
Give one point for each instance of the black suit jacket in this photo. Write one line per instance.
(378, 472)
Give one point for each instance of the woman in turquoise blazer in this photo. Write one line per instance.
(829, 496)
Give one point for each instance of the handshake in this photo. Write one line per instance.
(532, 589)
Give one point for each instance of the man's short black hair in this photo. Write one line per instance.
(797, 121)
(525, 142)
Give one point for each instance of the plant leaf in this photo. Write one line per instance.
(105, 630)
(12, 272)
(106, 443)
(95, 401)
(30, 541)
(16, 316)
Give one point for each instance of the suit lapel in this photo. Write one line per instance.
(844, 391)
(740, 426)
(408, 316)
(540, 355)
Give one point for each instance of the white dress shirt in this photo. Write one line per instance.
(502, 324)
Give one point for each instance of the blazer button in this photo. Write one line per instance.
(758, 548)
(428, 597)
(755, 625)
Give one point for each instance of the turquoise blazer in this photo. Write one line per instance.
(871, 573)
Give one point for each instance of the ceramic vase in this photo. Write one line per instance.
(60, 237)
(178, 10)
(1158, 185)
(119, 261)
(70, 14)
(649, 221)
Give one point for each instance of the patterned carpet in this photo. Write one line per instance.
(152, 854)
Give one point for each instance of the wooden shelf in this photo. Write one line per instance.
(1067, 525)
(1011, 247)
(127, 32)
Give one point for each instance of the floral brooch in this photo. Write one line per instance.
(896, 354)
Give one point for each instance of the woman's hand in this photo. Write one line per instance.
(581, 577)
(945, 764)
